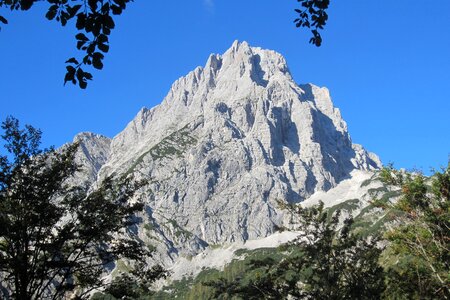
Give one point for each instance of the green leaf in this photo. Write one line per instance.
(72, 60)
(116, 10)
(93, 5)
(91, 48)
(26, 4)
(72, 10)
(102, 38)
(51, 14)
(108, 22)
(88, 76)
(81, 79)
(81, 21)
(103, 47)
(105, 8)
(97, 60)
(81, 37)
(64, 18)
(80, 44)
(70, 74)
(3, 20)
(120, 3)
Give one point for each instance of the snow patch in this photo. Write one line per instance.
(219, 257)
(347, 189)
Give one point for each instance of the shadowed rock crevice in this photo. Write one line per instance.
(256, 72)
(337, 154)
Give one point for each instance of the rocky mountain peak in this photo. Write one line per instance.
(228, 141)
(243, 61)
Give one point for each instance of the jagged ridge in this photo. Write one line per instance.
(227, 142)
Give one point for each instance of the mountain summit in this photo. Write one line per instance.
(229, 140)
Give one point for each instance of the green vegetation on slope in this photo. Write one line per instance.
(173, 145)
(195, 288)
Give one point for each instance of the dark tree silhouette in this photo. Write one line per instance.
(313, 14)
(94, 22)
(56, 237)
(323, 262)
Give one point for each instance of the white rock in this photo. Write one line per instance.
(227, 142)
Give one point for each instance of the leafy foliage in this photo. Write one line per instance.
(321, 263)
(56, 237)
(94, 22)
(313, 14)
(417, 260)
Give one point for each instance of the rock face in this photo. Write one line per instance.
(227, 142)
(93, 153)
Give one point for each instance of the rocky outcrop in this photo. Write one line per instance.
(93, 152)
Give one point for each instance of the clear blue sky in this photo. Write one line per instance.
(386, 63)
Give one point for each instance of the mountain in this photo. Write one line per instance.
(229, 140)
